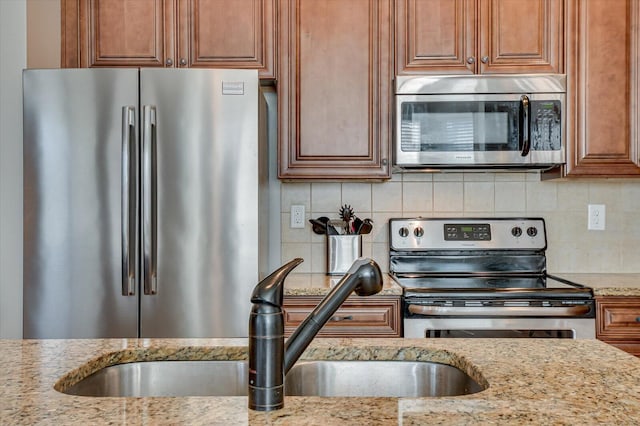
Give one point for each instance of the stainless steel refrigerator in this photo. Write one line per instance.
(144, 203)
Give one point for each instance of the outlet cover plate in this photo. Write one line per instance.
(597, 216)
(297, 216)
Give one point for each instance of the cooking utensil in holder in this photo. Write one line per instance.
(342, 251)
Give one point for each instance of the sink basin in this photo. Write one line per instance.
(378, 379)
(166, 378)
(306, 378)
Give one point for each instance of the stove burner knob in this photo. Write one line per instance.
(404, 232)
(532, 231)
(516, 231)
(418, 232)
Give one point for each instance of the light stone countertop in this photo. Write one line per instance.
(320, 284)
(607, 284)
(535, 381)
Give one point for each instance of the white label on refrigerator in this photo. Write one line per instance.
(233, 87)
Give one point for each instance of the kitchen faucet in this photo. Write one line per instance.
(269, 358)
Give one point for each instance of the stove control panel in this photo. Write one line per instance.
(466, 233)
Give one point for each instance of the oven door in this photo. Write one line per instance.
(567, 328)
(478, 130)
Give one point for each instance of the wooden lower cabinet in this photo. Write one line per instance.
(373, 316)
(618, 322)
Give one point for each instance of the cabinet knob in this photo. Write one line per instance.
(471, 60)
(183, 61)
(169, 62)
(638, 319)
(485, 59)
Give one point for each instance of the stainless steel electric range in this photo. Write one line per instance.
(464, 277)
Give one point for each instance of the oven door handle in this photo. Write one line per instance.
(520, 311)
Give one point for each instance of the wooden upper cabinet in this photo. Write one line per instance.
(479, 36)
(435, 36)
(169, 33)
(117, 32)
(228, 34)
(334, 89)
(603, 61)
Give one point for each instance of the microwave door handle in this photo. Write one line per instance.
(525, 133)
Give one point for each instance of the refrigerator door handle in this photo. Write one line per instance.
(149, 192)
(129, 196)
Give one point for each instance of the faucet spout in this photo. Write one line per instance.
(364, 277)
(269, 359)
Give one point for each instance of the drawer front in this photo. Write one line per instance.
(618, 318)
(355, 318)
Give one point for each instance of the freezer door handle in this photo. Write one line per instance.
(149, 193)
(129, 197)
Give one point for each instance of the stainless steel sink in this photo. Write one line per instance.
(166, 378)
(308, 378)
(378, 378)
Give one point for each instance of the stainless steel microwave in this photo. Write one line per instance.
(480, 121)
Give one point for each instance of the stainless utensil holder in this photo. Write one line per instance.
(342, 251)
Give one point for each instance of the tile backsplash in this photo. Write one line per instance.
(562, 203)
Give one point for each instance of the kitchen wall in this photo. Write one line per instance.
(562, 203)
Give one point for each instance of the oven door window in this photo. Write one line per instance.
(460, 126)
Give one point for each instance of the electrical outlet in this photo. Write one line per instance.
(596, 217)
(297, 216)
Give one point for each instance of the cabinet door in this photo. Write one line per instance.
(334, 89)
(227, 34)
(373, 316)
(436, 36)
(604, 85)
(618, 322)
(117, 32)
(521, 36)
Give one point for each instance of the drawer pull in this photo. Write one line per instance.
(337, 318)
(637, 319)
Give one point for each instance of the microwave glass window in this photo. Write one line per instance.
(545, 125)
(459, 126)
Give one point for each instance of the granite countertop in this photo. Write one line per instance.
(320, 284)
(607, 284)
(535, 381)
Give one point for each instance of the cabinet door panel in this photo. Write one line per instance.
(435, 36)
(128, 32)
(618, 322)
(334, 89)
(518, 36)
(230, 34)
(373, 316)
(604, 84)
